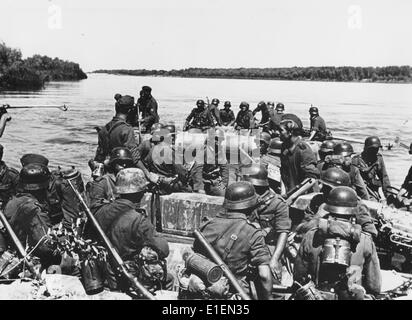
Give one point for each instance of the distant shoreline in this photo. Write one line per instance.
(394, 75)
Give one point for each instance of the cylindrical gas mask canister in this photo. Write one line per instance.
(203, 268)
(92, 277)
(336, 251)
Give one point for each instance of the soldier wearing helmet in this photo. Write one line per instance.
(326, 149)
(129, 229)
(339, 257)
(199, 118)
(342, 158)
(226, 114)
(372, 167)
(102, 189)
(318, 131)
(117, 132)
(212, 175)
(9, 178)
(298, 161)
(214, 110)
(263, 108)
(239, 242)
(148, 108)
(272, 214)
(276, 116)
(244, 118)
(263, 143)
(29, 211)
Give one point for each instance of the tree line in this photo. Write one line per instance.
(32, 73)
(367, 74)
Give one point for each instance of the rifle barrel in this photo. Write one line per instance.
(216, 259)
(112, 250)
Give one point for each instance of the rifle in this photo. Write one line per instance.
(7, 106)
(298, 190)
(120, 266)
(216, 259)
(20, 249)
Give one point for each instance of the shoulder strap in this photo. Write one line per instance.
(117, 123)
(233, 237)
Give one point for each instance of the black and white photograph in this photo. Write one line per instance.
(217, 151)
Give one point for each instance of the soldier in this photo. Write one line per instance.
(63, 205)
(263, 143)
(239, 243)
(199, 118)
(329, 179)
(358, 261)
(276, 117)
(263, 108)
(405, 193)
(148, 108)
(318, 131)
(244, 119)
(226, 114)
(341, 158)
(272, 162)
(117, 133)
(134, 237)
(163, 166)
(214, 110)
(101, 190)
(272, 214)
(9, 178)
(325, 149)
(298, 161)
(212, 176)
(372, 167)
(29, 212)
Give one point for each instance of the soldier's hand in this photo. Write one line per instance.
(276, 268)
(196, 284)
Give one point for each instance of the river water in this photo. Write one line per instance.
(354, 110)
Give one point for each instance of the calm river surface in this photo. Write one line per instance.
(354, 110)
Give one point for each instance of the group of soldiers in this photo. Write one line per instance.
(335, 258)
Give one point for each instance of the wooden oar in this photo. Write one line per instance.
(63, 107)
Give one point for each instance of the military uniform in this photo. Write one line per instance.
(202, 118)
(356, 179)
(373, 172)
(298, 162)
(148, 109)
(364, 258)
(211, 177)
(245, 120)
(214, 110)
(30, 221)
(265, 113)
(116, 133)
(226, 116)
(9, 179)
(101, 190)
(318, 124)
(238, 242)
(273, 213)
(407, 183)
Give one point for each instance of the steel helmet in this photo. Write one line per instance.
(372, 142)
(262, 104)
(117, 96)
(200, 103)
(342, 201)
(159, 135)
(244, 104)
(275, 146)
(280, 106)
(313, 110)
(240, 196)
(31, 158)
(121, 155)
(227, 104)
(215, 101)
(327, 146)
(265, 137)
(170, 127)
(335, 177)
(34, 176)
(256, 174)
(130, 180)
(270, 104)
(343, 149)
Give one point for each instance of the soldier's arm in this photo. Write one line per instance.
(266, 283)
(190, 117)
(383, 176)
(365, 220)
(360, 186)
(405, 184)
(282, 225)
(256, 110)
(308, 163)
(303, 266)
(372, 279)
(252, 121)
(101, 151)
(232, 118)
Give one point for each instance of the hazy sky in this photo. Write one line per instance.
(155, 34)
